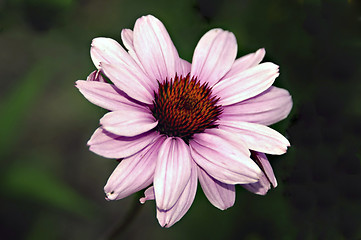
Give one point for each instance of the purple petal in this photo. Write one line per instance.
(222, 160)
(110, 145)
(257, 137)
(133, 173)
(172, 172)
(122, 70)
(266, 108)
(221, 195)
(214, 55)
(168, 218)
(95, 76)
(155, 49)
(246, 84)
(128, 121)
(245, 62)
(148, 195)
(105, 95)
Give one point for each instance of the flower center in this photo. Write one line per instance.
(184, 107)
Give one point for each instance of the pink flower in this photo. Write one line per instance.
(173, 123)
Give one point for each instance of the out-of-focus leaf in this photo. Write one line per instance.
(19, 102)
(41, 186)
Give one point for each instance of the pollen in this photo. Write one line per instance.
(183, 106)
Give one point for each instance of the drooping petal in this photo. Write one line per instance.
(246, 84)
(262, 161)
(172, 172)
(245, 62)
(128, 121)
(266, 108)
(223, 160)
(155, 49)
(105, 95)
(261, 187)
(168, 218)
(214, 56)
(221, 195)
(95, 76)
(133, 173)
(121, 69)
(110, 145)
(148, 195)
(257, 137)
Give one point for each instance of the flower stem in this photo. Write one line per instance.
(124, 223)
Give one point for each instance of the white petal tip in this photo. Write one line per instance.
(110, 196)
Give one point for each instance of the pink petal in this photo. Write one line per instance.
(245, 62)
(105, 95)
(246, 84)
(122, 70)
(185, 68)
(110, 145)
(266, 108)
(262, 161)
(172, 172)
(261, 187)
(168, 218)
(221, 195)
(222, 160)
(214, 55)
(155, 49)
(128, 121)
(96, 76)
(257, 137)
(128, 40)
(148, 195)
(133, 173)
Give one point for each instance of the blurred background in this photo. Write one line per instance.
(52, 185)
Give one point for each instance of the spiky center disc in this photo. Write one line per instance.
(184, 107)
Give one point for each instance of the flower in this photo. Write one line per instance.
(172, 123)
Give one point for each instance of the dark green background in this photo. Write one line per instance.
(52, 186)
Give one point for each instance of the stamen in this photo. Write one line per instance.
(184, 107)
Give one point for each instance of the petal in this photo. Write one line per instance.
(221, 195)
(257, 137)
(214, 55)
(133, 173)
(185, 68)
(105, 95)
(128, 121)
(155, 49)
(121, 69)
(127, 38)
(266, 108)
(246, 84)
(168, 218)
(148, 195)
(110, 145)
(245, 62)
(96, 76)
(261, 187)
(262, 161)
(223, 160)
(172, 172)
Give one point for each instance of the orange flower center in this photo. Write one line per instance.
(184, 107)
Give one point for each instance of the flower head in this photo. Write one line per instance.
(173, 123)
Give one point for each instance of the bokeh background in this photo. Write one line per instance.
(52, 185)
